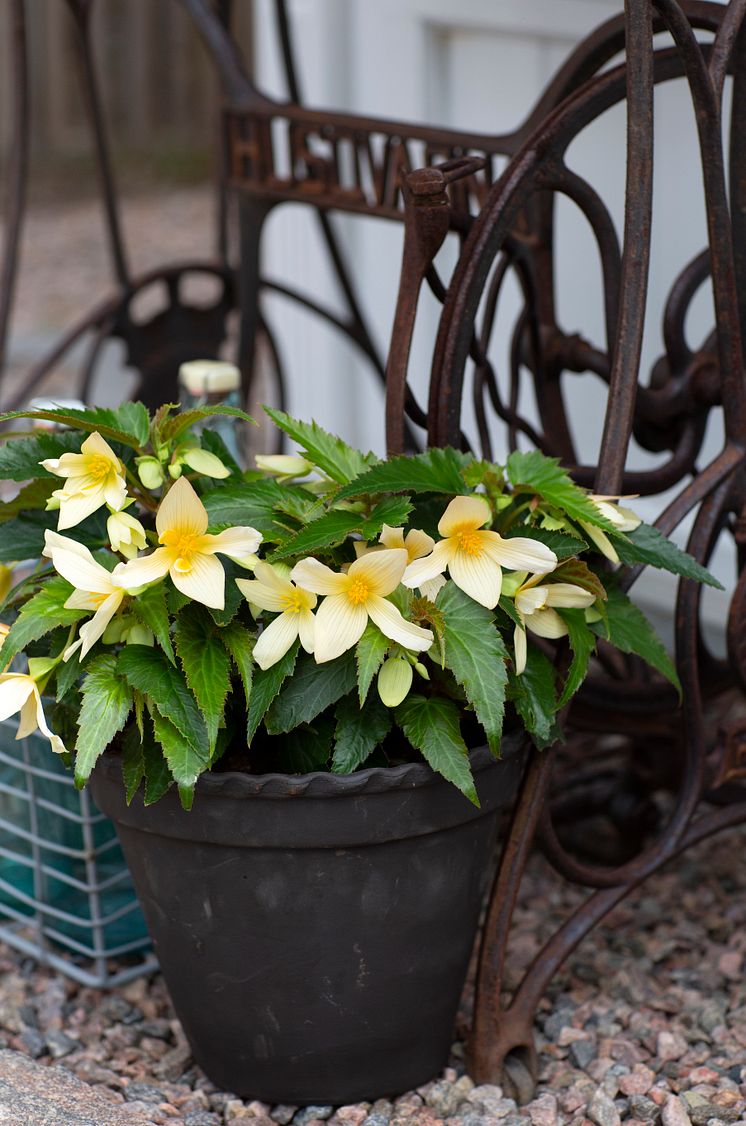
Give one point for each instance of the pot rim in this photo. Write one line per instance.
(371, 780)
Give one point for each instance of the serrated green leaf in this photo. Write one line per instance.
(133, 762)
(434, 471)
(544, 475)
(508, 607)
(206, 666)
(185, 761)
(560, 543)
(647, 545)
(578, 573)
(534, 696)
(20, 458)
(326, 451)
(391, 510)
(266, 685)
(101, 419)
(358, 732)
(431, 724)
(308, 748)
(240, 644)
(249, 503)
(476, 655)
(42, 613)
(310, 691)
(150, 607)
(582, 643)
(23, 537)
(175, 426)
(34, 495)
(369, 653)
(107, 701)
(150, 672)
(233, 596)
(67, 675)
(158, 780)
(134, 419)
(628, 629)
(328, 531)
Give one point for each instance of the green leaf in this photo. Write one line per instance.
(369, 653)
(211, 441)
(249, 503)
(358, 732)
(508, 607)
(233, 596)
(391, 510)
(310, 691)
(34, 495)
(20, 458)
(150, 607)
(647, 545)
(175, 426)
(434, 471)
(240, 644)
(582, 643)
(326, 451)
(42, 613)
(158, 780)
(206, 666)
(67, 674)
(476, 655)
(133, 762)
(185, 761)
(534, 696)
(107, 701)
(149, 671)
(329, 530)
(560, 543)
(267, 683)
(23, 538)
(628, 629)
(544, 475)
(134, 419)
(431, 724)
(308, 748)
(577, 572)
(105, 421)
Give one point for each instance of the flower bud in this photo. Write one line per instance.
(126, 534)
(394, 681)
(202, 461)
(174, 470)
(285, 466)
(420, 668)
(150, 472)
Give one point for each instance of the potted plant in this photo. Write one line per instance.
(306, 690)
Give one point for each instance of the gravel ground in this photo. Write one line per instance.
(646, 1023)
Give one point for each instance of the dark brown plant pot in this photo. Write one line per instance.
(314, 931)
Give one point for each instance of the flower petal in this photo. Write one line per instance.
(15, 689)
(601, 540)
(393, 625)
(521, 649)
(546, 623)
(181, 510)
(77, 507)
(430, 588)
(381, 570)
(392, 537)
(472, 511)
(418, 543)
(478, 576)
(263, 595)
(236, 543)
(98, 447)
(115, 491)
(520, 553)
(434, 564)
(315, 576)
(204, 582)
(93, 629)
(146, 569)
(529, 599)
(569, 595)
(76, 564)
(307, 630)
(339, 626)
(275, 640)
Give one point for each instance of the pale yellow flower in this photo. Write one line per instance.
(623, 519)
(535, 602)
(19, 692)
(272, 591)
(202, 461)
(94, 478)
(416, 543)
(475, 556)
(356, 596)
(126, 534)
(188, 552)
(95, 588)
(283, 466)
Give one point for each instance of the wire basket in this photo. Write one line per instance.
(66, 897)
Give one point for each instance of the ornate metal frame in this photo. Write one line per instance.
(436, 181)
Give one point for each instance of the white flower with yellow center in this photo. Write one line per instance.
(272, 591)
(95, 588)
(354, 597)
(535, 602)
(188, 553)
(475, 556)
(416, 543)
(94, 478)
(126, 534)
(623, 519)
(19, 692)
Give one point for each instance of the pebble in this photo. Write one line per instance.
(60, 1044)
(601, 1109)
(283, 1113)
(670, 1046)
(312, 1113)
(674, 1112)
(644, 1109)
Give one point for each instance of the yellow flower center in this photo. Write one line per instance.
(184, 546)
(98, 467)
(469, 541)
(294, 603)
(358, 592)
